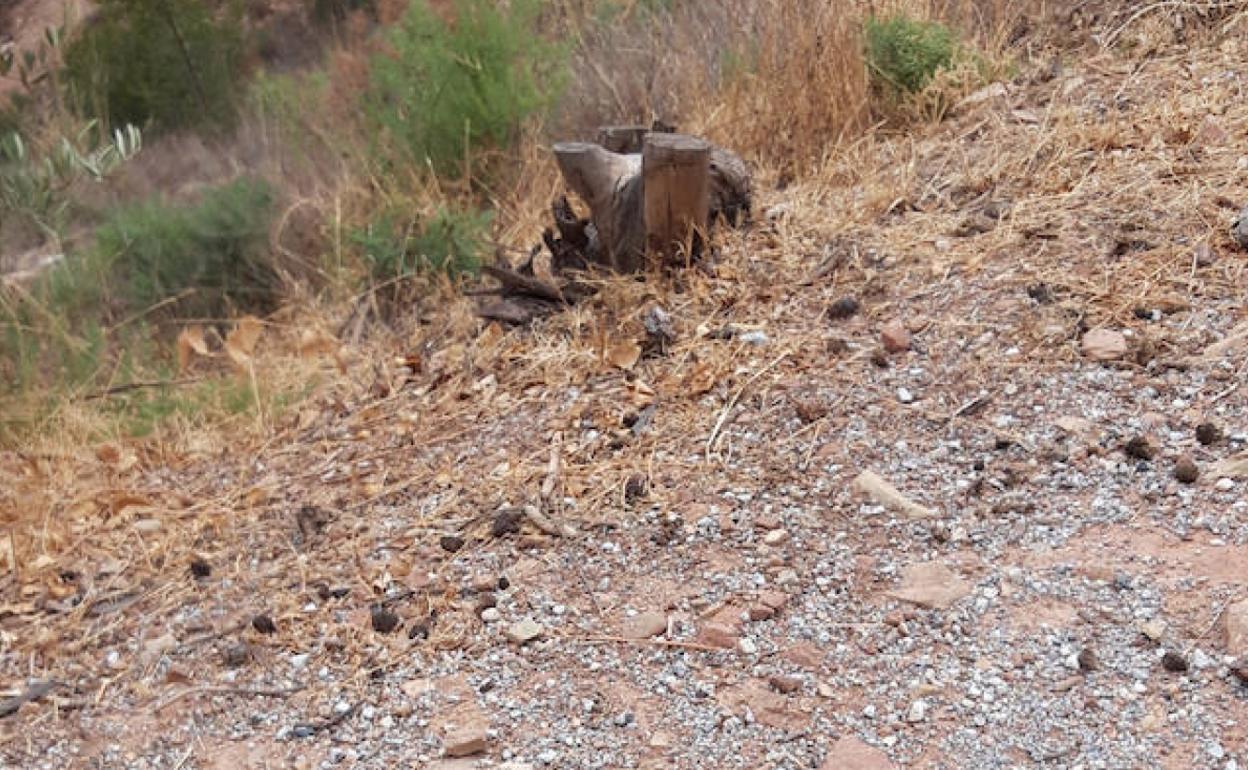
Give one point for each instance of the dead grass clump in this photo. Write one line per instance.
(801, 89)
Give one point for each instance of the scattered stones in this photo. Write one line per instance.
(1174, 662)
(895, 337)
(451, 543)
(644, 625)
(881, 492)
(263, 624)
(1208, 434)
(524, 631)
(1237, 629)
(384, 621)
(1140, 448)
(845, 307)
(931, 585)
(1185, 470)
(1104, 345)
(850, 753)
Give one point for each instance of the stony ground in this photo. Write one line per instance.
(532, 551)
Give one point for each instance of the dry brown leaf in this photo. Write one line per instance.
(120, 502)
(246, 334)
(191, 343)
(700, 380)
(624, 354)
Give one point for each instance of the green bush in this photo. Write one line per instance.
(445, 89)
(450, 242)
(904, 54)
(216, 250)
(167, 63)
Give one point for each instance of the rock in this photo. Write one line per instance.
(775, 537)
(1204, 255)
(917, 711)
(1224, 485)
(1233, 467)
(1153, 630)
(524, 631)
(845, 307)
(1174, 662)
(200, 569)
(1140, 448)
(451, 543)
(1185, 470)
(465, 741)
(491, 615)
(1239, 230)
(880, 491)
(747, 646)
(773, 599)
(644, 626)
(895, 337)
(931, 585)
(905, 396)
(1239, 670)
(784, 684)
(849, 753)
(1086, 660)
(1208, 434)
(263, 624)
(1237, 629)
(236, 655)
(1104, 345)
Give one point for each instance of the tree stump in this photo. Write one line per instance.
(622, 139)
(611, 184)
(676, 190)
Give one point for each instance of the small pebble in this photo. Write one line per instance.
(384, 621)
(1208, 434)
(1174, 662)
(491, 615)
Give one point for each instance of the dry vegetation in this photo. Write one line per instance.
(1099, 180)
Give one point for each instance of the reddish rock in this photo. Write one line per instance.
(644, 626)
(895, 337)
(1237, 629)
(1104, 345)
(805, 655)
(784, 684)
(760, 612)
(931, 585)
(849, 753)
(773, 599)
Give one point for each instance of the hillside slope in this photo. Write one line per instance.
(707, 585)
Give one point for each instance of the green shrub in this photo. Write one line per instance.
(216, 250)
(168, 63)
(445, 89)
(904, 54)
(450, 242)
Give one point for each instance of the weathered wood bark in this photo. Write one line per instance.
(676, 172)
(611, 184)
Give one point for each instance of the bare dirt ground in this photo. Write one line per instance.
(697, 580)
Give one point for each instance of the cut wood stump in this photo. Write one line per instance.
(676, 189)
